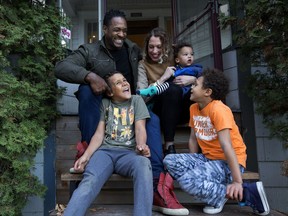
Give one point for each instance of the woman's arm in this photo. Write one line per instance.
(142, 82)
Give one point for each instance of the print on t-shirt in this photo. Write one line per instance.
(123, 120)
(204, 129)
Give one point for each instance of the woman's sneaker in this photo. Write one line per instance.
(255, 197)
(213, 210)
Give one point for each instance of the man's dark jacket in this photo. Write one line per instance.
(94, 58)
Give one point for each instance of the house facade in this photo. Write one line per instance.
(196, 22)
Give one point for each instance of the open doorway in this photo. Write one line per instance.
(137, 30)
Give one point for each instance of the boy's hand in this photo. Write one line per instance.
(143, 150)
(80, 164)
(234, 191)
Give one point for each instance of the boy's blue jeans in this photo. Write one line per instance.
(89, 116)
(102, 164)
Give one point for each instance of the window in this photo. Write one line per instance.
(92, 32)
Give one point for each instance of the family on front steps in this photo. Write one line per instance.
(121, 131)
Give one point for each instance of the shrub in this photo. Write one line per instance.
(29, 46)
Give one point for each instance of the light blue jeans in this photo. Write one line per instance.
(102, 164)
(200, 177)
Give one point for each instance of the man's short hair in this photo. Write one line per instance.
(111, 14)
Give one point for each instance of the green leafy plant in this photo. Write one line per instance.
(262, 32)
(29, 46)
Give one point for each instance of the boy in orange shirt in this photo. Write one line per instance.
(214, 175)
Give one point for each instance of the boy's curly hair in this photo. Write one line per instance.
(217, 82)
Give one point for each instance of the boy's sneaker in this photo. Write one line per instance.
(213, 210)
(255, 197)
(168, 207)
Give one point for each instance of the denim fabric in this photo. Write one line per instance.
(200, 177)
(89, 116)
(89, 111)
(102, 164)
(154, 141)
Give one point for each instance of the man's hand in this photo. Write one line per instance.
(234, 191)
(143, 150)
(97, 83)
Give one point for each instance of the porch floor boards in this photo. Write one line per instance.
(195, 210)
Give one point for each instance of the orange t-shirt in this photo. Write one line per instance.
(213, 118)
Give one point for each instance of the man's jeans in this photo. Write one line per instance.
(89, 116)
(103, 163)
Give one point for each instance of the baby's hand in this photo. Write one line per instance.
(143, 150)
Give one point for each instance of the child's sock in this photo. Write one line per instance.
(153, 90)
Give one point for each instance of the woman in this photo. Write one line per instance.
(164, 199)
(171, 106)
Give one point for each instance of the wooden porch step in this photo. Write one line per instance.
(119, 189)
(247, 175)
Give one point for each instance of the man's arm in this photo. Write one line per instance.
(72, 69)
(235, 189)
(193, 144)
(141, 138)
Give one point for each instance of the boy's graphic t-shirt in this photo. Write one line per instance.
(213, 118)
(120, 121)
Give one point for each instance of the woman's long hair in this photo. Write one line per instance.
(165, 40)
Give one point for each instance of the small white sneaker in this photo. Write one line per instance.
(73, 171)
(213, 210)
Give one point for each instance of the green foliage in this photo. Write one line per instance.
(29, 46)
(262, 33)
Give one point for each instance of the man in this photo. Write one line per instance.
(87, 66)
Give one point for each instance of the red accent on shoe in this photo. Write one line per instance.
(165, 200)
(81, 148)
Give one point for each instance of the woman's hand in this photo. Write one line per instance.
(169, 72)
(184, 80)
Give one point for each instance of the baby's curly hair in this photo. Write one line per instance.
(217, 81)
(177, 47)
